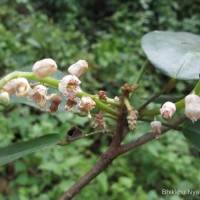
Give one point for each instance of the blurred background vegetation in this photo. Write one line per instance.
(107, 34)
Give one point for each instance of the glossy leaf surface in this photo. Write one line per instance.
(192, 132)
(21, 149)
(176, 54)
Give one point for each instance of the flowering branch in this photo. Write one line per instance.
(111, 154)
(29, 75)
(125, 114)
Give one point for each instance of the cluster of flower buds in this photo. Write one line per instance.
(132, 118)
(192, 107)
(37, 93)
(69, 86)
(167, 110)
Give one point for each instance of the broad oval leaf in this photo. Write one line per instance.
(192, 132)
(176, 54)
(21, 149)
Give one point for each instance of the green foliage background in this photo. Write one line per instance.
(107, 34)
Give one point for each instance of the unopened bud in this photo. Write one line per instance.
(99, 121)
(10, 87)
(102, 95)
(22, 87)
(167, 110)
(4, 98)
(192, 107)
(116, 99)
(55, 101)
(156, 128)
(78, 68)
(44, 68)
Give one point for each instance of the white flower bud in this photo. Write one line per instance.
(4, 98)
(78, 68)
(192, 107)
(22, 87)
(156, 128)
(44, 68)
(10, 87)
(116, 99)
(167, 110)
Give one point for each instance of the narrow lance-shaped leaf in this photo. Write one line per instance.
(21, 149)
(176, 54)
(192, 133)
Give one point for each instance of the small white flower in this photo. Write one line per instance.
(22, 87)
(69, 85)
(39, 95)
(4, 98)
(44, 68)
(78, 68)
(86, 104)
(156, 128)
(192, 107)
(167, 110)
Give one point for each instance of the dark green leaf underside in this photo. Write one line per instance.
(192, 132)
(21, 149)
(176, 54)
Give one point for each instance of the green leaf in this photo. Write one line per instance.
(21, 149)
(176, 54)
(192, 132)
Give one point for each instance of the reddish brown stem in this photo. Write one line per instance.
(105, 160)
(115, 149)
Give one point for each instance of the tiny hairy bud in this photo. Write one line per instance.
(192, 107)
(44, 68)
(78, 68)
(71, 102)
(167, 110)
(55, 101)
(99, 121)
(10, 86)
(116, 99)
(156, 128)
(102, 95)
(4, 98)
(22, 87)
